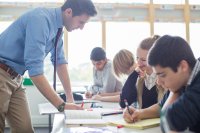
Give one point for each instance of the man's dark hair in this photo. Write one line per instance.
(80, 7)
(169, 51)
(98, 54)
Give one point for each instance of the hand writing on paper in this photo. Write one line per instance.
(134, 115)
(127, 115)
(97, 97)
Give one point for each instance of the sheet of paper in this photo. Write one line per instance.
(142, 124)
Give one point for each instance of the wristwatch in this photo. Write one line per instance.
(61, 107)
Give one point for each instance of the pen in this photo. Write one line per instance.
(113, 113)
(82, 104)
(126, 103)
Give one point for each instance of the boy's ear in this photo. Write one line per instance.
(184, 66)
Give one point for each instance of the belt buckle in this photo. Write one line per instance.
(11, 73)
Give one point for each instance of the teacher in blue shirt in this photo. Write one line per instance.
(24, 46)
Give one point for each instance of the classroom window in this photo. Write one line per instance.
(174, 29)
(80, 45)
(125, 35)
(194, 38)
(168, 1)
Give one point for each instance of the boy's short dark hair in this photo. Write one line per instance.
(80, 7)
(98, 54)
(169, 51)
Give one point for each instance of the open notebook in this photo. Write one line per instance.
(142, 124)
(83, 118)
(88, 117)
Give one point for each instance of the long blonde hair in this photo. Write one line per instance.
(146, 44)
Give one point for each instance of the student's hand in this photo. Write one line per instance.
(140, 72)
(128, 117)
(136, 115)
(72, 106)
(88, 94)
(97, 97)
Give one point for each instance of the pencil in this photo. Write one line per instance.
(126, 103)
(82, 104)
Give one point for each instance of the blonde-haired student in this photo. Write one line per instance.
(140, 85)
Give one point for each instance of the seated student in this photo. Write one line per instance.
(142, 88)
(124, 64)
(105, 82)
(179, 71)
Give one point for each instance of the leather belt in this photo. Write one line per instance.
(9, 70)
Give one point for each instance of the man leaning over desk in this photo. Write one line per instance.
(24, 46)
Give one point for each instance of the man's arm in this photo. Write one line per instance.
(65, 80)
(44, 87)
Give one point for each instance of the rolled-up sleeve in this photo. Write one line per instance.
(36, 35)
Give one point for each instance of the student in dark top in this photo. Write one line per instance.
(148, 91)
(177, 69)
(141, 85)
(124, 64)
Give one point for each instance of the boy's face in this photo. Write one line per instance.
(171, 80)
(99, 65)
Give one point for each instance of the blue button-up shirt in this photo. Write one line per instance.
(27, 41)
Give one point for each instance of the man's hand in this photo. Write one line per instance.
(72, 106)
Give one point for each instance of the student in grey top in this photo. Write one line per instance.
(104, 81)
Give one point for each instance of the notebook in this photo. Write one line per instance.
(108, 111)
(87, 101)
(87, 118)
(142, 124)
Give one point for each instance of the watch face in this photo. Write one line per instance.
(61, 107)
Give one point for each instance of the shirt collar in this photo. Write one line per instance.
(194, 72)
(150, 80)
(59, 18)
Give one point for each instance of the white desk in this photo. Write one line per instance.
(60, 127)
